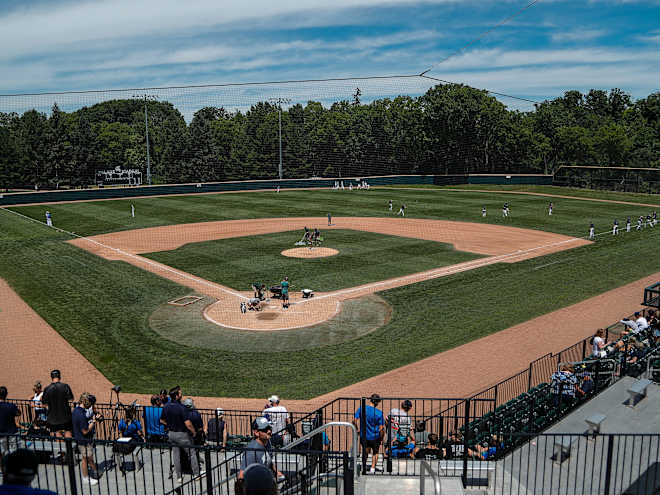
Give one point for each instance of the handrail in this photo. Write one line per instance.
(324, 427)
(426, 467)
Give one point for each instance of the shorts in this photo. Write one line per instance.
(373, 444)
(61, 427)
(8, 444)
(86, 449)
(285, 296)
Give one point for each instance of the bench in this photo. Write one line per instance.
(562, 449)
(637, 392)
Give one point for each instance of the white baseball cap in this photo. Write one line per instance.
(273, 398)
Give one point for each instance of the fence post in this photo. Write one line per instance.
(608, 471)
(70, 461)
(389, 446)
(209, 471)
(348, 475)
(584, 348)
(363, 432)
(529, 378)
(465, 442)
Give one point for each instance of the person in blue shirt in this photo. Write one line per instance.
(131, 427)
(371, 429)
(154, 430)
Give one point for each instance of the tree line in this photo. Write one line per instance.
(451, 129)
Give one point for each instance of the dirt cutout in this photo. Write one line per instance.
(304, 252)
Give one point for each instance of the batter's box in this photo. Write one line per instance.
(184, 301)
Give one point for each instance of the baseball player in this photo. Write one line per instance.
(550, 208)
(615, 227)
(592, 232)
(285, 292)
(628, 225)
(329, 219)
(639, 223)
(505, 210)
(402, 210)
(49, 219)
(483, 211)
(342, 185)
(655, 218)
(132, 210)
(649, 222)
(389, 204)
(278, 189)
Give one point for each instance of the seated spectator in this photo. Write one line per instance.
(420, 434)
(598, 344)
(586, 388)
(431, 450)
(403, 443)
(642, 323)
(564, 384)
(18, 470)
(131, 427)
(155, 431)
(634, 327)
(216, 428)
(486, 449)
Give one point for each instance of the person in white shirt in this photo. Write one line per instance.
(278, 417)
(399, 421)
(642, 323)
(598, 343)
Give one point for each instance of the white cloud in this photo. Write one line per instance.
(578, 35)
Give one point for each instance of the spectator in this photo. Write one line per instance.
(8, 414)
(642, 323)
(564, 384)
(180, 432)
(431, 449)
(196, 419)
(38, 408)
(420, 434)
(403, 443)
(216, 430)
(279, 417)
(598, 344)
(586, 388)
(83, 432)
(257, 480)
(372, 431)
(56, 398)
(155, 431)
(399, 421)
(18, 470)
(164, 397)
(634, 327)
(131, 427)
(259, 450)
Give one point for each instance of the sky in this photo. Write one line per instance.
(549, 48)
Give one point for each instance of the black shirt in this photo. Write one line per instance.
(216, 434)
(8, 413)
(175, 415)
(57, 396)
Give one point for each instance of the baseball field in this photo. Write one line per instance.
(397, 290)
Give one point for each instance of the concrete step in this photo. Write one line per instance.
(403, 485)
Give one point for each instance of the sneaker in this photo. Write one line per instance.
(89, 481)
(378, 470)
(372, 471)
(179, 479)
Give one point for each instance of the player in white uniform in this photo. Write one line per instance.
(389, 204)
(628, 225)
(132, 210)
(615, 227)
(639, 223)
(592, 232)
(402, 210)
(483, 211)
(550, 208)
(49, 219)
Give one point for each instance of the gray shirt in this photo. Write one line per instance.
(258, 455)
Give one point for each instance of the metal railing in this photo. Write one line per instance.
(424, 469)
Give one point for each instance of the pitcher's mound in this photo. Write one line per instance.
(304, 252)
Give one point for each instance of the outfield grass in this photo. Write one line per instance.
(363, 257)
(103, 307)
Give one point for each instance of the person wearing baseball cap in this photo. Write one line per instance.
(217, 428)
(259, 450)
(278, 417)
(371, 428)
(18, 470)
(399, 421)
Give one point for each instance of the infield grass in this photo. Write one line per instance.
(363, 257)
(102, 307)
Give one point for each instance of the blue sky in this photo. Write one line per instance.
(552, 47)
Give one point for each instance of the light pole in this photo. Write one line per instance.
(146, 129)
(279, 102)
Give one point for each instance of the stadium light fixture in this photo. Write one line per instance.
(147, 98)
(278, 101)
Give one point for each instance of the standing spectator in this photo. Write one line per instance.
(598, 344)
(259, 450)
(586, 388)
(372, 431)
(8, 414)
(155, 431)
(38, 409)
(217, 428)
(278, 417)
(180, 432)
(83, 432)
(196, 420)
(18, 470)
(56, 398)
(164, 397)
(564, 384)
